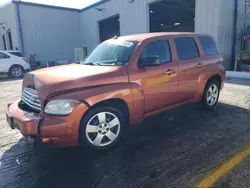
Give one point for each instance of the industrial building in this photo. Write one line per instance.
(53, 33)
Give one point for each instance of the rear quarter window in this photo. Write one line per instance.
(3, 56)
(186, 48)
(208, 46)
(16, 54)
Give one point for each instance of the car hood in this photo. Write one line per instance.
(70, 77)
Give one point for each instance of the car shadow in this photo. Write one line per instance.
(165, 151)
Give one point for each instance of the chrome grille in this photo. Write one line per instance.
(31, 98)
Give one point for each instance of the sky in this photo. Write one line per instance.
(64, 3)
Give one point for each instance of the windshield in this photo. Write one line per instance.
(113, 52)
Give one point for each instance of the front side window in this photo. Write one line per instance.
(208, 46)
(186, 48)
(3, 56)
(113, 52)
(159, 49)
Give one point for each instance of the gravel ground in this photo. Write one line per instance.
(175, 149)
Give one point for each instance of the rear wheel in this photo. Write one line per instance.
(102, 127)
(16, 71)
(211, 94)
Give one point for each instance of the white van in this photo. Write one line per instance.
(13, 63)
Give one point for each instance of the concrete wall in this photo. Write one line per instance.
(51, 34)
(8, 15)
(213, 17)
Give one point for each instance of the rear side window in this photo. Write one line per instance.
(208, 46)
(186, 48)
(3, 56)
(16, 54)
(159, 48)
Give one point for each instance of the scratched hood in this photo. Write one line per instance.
(68, 77)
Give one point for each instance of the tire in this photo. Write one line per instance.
(102, 128)
(16, 71)
(211, 94)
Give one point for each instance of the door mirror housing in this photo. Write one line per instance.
(149, 62)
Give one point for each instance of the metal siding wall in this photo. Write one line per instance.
(8, 15)
(50, 33)
(226, 29)
(240, 23)
(214, 17)
(1, 44)
(206, 17)
(133, 19)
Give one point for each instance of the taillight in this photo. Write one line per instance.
(25, 59)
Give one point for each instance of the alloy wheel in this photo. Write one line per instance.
(212, 95)
(103, 129)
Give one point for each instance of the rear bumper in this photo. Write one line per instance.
(57, 131)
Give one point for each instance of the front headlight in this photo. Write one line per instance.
(60, 107)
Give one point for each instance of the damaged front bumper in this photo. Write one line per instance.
(37, 127)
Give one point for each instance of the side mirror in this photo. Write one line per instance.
(149, 61)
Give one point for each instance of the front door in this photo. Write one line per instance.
(190, 65)
(160, 83)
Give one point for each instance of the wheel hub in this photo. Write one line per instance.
(103, 128)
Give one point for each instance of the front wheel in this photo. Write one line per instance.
(211, 94)
(102, 127)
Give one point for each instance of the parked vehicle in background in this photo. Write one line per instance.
(13, 63)
(123, 81)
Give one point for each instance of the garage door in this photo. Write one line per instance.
(172, 16)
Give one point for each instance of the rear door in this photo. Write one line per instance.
(4, 62)
(190, 65)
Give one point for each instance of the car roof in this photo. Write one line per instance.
(144, 36)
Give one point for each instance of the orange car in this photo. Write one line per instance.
(123, 81)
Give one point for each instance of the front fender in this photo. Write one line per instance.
(124, 91)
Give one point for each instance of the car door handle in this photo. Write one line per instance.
(171, 72)
(199, 65)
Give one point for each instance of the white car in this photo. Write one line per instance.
(13, 63)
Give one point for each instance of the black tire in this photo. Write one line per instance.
(205, 102)
(16, 71)
(84, 141)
